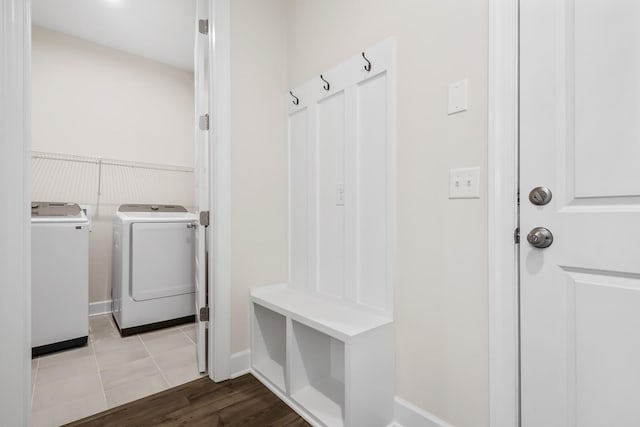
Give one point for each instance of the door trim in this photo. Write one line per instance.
(220, 187)
(504, 357)
(15, 215)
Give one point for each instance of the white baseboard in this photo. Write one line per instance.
(99, 307)
(240, 363)
(409, 415)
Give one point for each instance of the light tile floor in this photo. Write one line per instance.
(109, 371)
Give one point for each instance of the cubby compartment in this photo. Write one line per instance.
(269, 345)
(339, 357)
(318, 374)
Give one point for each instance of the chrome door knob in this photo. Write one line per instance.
(540, 238)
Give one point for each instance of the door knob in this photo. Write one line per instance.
(540, 238)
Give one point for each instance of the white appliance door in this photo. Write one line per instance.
(580, 138)
(161, 260)
(202, 66)
(60, 282)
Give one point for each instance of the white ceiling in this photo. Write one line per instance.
(161, 30)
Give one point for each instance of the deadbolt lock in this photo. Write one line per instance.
(540, 196)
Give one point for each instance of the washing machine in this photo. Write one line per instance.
(59, 277)
(153, 280)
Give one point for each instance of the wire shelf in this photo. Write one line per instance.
(107, 183)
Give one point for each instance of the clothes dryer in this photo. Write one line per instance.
(153, 280)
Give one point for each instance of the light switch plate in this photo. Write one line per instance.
(339, 194)
(458, 96)
(464, 183)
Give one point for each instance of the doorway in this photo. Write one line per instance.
(113, 131)
(17, 155)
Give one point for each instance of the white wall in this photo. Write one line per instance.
(441, 291)
(91, 100)
(258, 156)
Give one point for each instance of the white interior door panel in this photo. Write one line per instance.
(580, 137)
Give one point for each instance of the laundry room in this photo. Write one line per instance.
(113, 159)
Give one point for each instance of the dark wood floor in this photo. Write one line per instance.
(240, 402)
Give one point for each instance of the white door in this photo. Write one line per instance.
(580, 137)
(202, 66)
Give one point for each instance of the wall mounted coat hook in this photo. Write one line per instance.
(327, 86)
(296, 100)
(367, 66)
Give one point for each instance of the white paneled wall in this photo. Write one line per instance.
(330, 171)
(299, 212)
(341, 177)
(370, 156)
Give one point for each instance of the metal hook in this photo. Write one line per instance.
(327, 86)
(367, 67)
(296, 100)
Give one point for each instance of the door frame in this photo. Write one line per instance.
(15, 132)
(15, 212)
(219, 351)
(503, 147)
